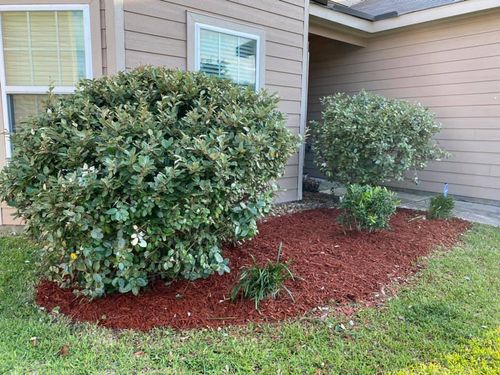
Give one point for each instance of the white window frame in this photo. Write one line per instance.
(199, 26)
(6, 90)
(196, 22)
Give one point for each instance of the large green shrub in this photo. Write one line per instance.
(367, 208)
(369, 139)
(144, 174)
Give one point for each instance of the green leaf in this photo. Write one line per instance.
(218, 258)
(96, 234)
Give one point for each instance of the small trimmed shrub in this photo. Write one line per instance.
(258, 283)
(142, 175)
(310, 184)
(367, 208)
(440, 207)
(369, 139)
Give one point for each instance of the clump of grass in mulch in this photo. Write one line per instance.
(260, 282)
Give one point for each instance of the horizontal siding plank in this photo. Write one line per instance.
(467, 111)
(287, 182)
(283, 79)
(155, 26)
(420, 81)
(466, 123)
(290, 107)
(490, 86)
(469, 134)
(287, 66)
(294, 2)
(293, 121)
(283, 51)
(154, 44)
(287, 196)
(287, 93)
(137, 58)
(440, 57)
(470, 146)
(461, 100)
(155, 8)
(461, 65)
(291, 170)
(478, 157)
(495, 170)
(472, 169)
(276, 7)
(293, 160)
(460, 179)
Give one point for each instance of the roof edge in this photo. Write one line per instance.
(407, 19)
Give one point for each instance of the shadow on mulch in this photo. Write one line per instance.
(332, 267)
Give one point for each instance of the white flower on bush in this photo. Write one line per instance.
(86, 170)
(85, 173)
(138, 238)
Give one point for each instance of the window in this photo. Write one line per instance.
(226, 49)
(41, 46)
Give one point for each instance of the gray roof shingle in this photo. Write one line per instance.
(376, 7)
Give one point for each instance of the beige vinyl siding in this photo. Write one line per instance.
(155, 33)
(452, 67)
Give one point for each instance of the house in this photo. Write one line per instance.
(443, 53)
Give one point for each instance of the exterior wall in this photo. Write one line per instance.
(156, 34)
(96, 11)
(452, 67)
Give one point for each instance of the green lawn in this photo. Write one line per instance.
(447, 321)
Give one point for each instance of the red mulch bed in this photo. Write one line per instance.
(333, 267)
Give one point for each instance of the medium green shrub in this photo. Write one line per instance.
(142, 175)
(369, 139)
(260, 282)
(367, 208)
(440, 207)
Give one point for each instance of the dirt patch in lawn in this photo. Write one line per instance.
(333, 267)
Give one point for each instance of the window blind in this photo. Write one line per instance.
(22, 106)
(43, 48)
(228, 56)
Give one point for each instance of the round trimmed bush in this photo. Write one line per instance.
(369, 139)
(144, 174)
